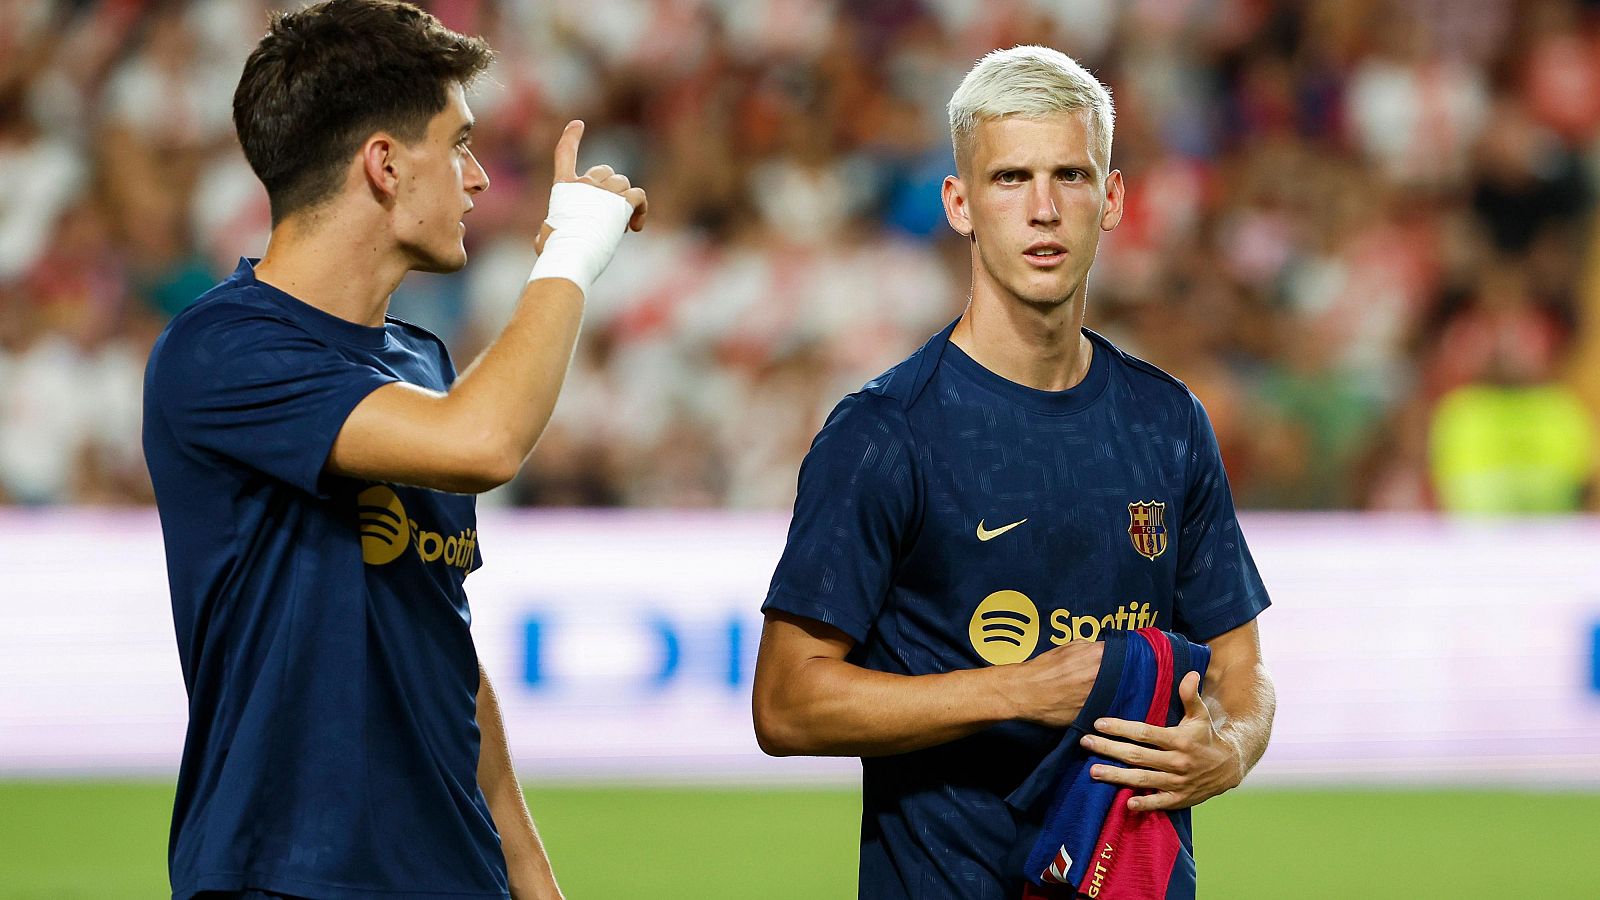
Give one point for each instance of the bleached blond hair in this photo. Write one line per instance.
(1030, 81)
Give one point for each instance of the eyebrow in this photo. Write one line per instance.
(1085, 165)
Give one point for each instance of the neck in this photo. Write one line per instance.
(1041, 346)
(338, 267)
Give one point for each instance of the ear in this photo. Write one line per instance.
(954, 195)
(379, 159)
(1115, 194)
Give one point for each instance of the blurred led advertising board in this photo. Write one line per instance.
(1405, 649)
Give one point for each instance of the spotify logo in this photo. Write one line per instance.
(384, 530)
(1004, 628)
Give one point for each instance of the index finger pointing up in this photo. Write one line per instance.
(567, 151)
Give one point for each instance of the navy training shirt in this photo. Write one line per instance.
(949, 519)
(332, 748)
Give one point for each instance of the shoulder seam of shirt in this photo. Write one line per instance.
(884, 386)
(243, 296)
(906, 380)
(412, 326)
(1135, 362)
(198, 323)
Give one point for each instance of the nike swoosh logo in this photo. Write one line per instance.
(985, 534)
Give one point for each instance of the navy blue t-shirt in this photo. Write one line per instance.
(332, 748)
(949, 519)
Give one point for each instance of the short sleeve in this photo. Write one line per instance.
(855, 507)
(260, 391)
(1218, 587)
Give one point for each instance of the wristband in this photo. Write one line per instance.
(588, 223)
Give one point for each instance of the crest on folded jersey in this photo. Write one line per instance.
(1147, 527)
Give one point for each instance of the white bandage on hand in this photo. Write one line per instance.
(588, 223)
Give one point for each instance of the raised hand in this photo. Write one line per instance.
(603, 177)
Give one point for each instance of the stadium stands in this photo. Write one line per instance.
(1341, 213)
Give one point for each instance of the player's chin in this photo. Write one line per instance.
(439, 262)
(1044, 289)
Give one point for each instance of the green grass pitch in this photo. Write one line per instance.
(63, 840)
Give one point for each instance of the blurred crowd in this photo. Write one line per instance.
(1360, 230)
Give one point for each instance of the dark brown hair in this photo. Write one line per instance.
(325, 77)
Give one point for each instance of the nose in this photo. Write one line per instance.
(1042, 208)
(477, 180)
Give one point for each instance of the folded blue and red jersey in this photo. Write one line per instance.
(1090, 844)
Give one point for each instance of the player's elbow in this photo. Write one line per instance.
(780, 727)
(487, 462)
(474, 479)
(775, 735)
(499, 470)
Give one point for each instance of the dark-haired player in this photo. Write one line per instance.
(313, 462)
(971, 522)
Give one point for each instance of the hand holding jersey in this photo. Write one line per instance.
(1185, 764)
(1051, 687)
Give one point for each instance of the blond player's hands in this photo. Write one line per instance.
(1178, 767)
(604, 177)
(1052, 687)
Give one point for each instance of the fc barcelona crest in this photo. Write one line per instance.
(1147, 527)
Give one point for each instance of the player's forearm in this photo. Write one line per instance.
(526, 863)
(829, 707)
(1243, 701)
(506, 397)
